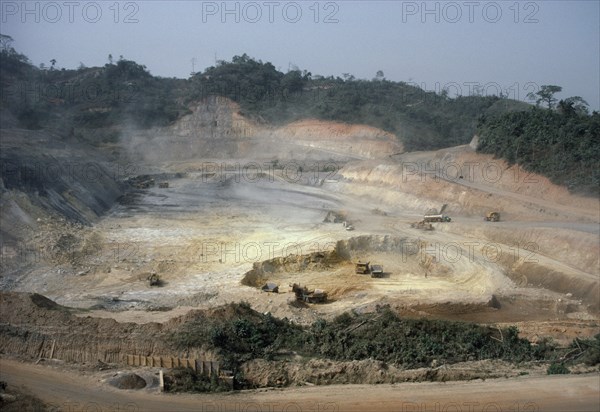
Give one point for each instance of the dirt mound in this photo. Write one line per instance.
(31, 326)
(317, 261)
(261, 373)
(45, 303)
(129, 381)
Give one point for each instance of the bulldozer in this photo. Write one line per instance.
(492, 217)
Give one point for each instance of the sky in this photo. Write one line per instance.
(509, 46)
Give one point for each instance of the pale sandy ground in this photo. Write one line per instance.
(84, 392)
(204, 232)
(202, 235)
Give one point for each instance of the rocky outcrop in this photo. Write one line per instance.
(216, 128)
(359, 141)
(71, 179)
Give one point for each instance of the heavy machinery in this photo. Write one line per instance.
(422, 225)
(309, 296)
(153, 279)
(362, 268)
(141, 182)
(492, 217)
(270, 287)
(376, 271)
(432, 216)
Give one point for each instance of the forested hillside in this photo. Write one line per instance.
(422, 120)
(95, 104)
(561, 144)
(124, 93)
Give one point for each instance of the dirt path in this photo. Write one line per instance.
(75, 392)
(571, 211)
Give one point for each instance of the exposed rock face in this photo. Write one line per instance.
(352, 140)
(217, 129)
(71, 179)
(321, 261)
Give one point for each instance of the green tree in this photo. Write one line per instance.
(546, 95)
(6, 43)
(573, 105)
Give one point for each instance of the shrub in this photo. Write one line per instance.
(558, 369)
(186, 380)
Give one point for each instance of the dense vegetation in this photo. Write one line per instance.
(186, 380)
(245, 334)
(562, 144)
(422, 120)
(124, 94)
(94, 104)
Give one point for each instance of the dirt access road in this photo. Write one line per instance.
(70, 391)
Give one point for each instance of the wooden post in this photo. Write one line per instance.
(161, 380)
(41, 349)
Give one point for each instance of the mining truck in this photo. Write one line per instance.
(436, 218)
(309, 296)
(316, 296)
(376, 271)
(362, 268)
(432, 216)
(492, 217)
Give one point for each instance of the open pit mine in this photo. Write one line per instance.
(122, 270)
